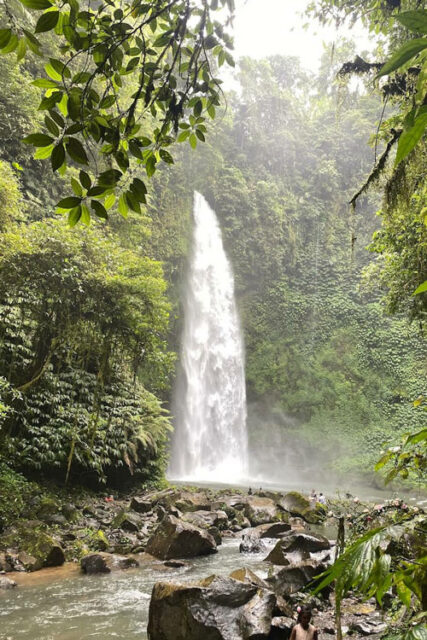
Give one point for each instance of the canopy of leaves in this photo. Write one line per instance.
(114, 71)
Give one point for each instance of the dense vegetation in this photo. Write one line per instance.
(85, 316)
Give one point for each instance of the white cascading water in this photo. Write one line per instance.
(210, 440)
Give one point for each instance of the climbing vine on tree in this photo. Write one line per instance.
(127, 81)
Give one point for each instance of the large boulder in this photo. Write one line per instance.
(298, 505)
(140, 505)
(295, 547)
(281, 628)
(175, 538)
(193, 502)
(205, 519)
(106, 562)
(260, 510)
(251, 543)
(41, 548)
(246, 575)
(213, 609)
(293, 578)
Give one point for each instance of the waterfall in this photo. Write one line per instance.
(210, 438)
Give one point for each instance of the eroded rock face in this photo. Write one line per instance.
(213, 609)
(296, 547)
(175, 538)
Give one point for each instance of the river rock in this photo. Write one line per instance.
(30, 563)
(216, 535)
(193, 502)
(175, 538)
(246, 575)
(295, 547)
(7, 583)
(293, 578)
(298, 505)
(281, 628)
(368, 628)
(126, 521)
(251, 543)
(260, 510)
(214, 609)
(272, 530)
(106, 562)
(140, 505)
(5, 563)
(206, 519)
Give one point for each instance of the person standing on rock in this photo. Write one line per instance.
(304, 630)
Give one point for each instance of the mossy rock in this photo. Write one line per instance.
(31, 536)
(298, 505)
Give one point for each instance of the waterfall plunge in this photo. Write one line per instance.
(210, 439)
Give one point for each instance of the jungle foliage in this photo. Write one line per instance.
(119, 86)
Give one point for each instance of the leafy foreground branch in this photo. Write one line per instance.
(131, 79)
(373, 565)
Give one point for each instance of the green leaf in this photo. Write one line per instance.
(21, 49)
(76, 151)
(99, 209)
(39, 5)
(97, 190)
(85, 179)
(184, 135)
(52, 73)
(44, 152)
(421, 289)
(193, 141)
(11, 45)
(413, 20)
(38, 140)
(69, 203)
(166, 156)
(406, 52)
(58, 157)
(85, 215)
(51, 126)
(200, 135)
(210, 42)
(74, 216)
(77, 188)
(123, 206)
(410, 138)
(47, 21)
(109, 201)
(5, 36)
(150, 166)
(44, 83)
(415, 438)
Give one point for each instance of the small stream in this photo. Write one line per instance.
(62, 604)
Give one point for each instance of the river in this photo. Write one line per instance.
(63, 604)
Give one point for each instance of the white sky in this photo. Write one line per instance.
(268, 27)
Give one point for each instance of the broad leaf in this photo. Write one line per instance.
(414, 20)
(406, 52)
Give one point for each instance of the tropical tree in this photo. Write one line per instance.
(121, 83)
